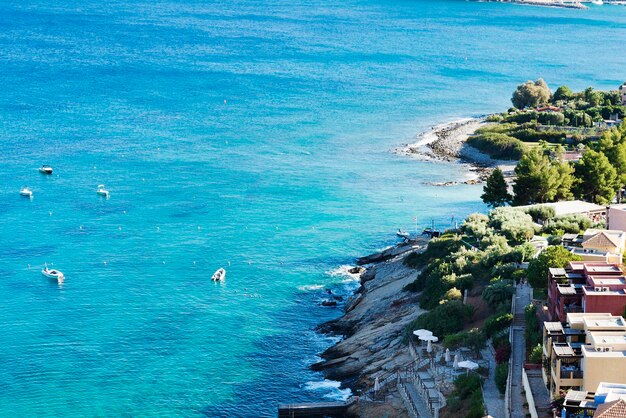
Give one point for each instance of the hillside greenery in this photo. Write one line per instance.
(538, 131)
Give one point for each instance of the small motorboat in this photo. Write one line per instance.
(52, 274)
(402, 234)
(219, 275)
(26, 192)
(102, 191)
(45, 169)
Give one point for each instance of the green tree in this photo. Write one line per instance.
(497, 293)
(552, 257)
(596, 178)
(540, 179)
(495, 192)
(613, 145)
(475, 340)
(531, 94)
(593, 97)
(563, 93)
(564, 174)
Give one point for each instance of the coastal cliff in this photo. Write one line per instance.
(374, 322)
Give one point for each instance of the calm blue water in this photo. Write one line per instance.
(250, 132)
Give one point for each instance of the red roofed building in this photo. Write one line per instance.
(586, 287)
(615, 409)
(548, 109)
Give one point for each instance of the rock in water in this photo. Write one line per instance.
(356, 270)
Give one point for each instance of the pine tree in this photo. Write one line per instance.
(495, 192)
(597, 179)
(535, 182)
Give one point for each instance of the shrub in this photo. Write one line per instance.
(466, 384)
(476, 225)
(533, 135)
(499, 146)
(453, 294)
(502, 374)
(475, 340)
(445, 319)
(571, 224)
(521, 117)
(503, 270)
(535, 354)
(552, 118)
(498, 292)
(516, 225)
(464, 281)
(437, 248)
(497, 323)
(541, 213)
(413, 260)
(455, 340)
(533, 331)
(551, 257)
(503, 354)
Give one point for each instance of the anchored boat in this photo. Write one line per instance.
(219, 275)
(52, 273)
(402, 234)
(102, 191)
(45, 169)
(26, 192)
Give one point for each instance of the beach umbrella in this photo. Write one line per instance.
(456, 361)
(420, 332)
(376, 385)
(469, 365)
(429, 338)
(447, 355)
(429, 347)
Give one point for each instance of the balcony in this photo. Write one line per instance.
(571, 374)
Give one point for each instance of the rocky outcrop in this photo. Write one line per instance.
(374, 322)
(389, 253)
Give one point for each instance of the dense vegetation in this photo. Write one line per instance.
(537, 131)
(553, 256)
(479, 258)
(467, 399)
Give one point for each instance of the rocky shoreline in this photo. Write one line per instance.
(447, 143)
(373, 323)
(376, 316)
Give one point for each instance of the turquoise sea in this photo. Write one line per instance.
(251, 135)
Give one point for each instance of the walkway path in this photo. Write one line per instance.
(540, 393)
(523, 296)
(494, 400)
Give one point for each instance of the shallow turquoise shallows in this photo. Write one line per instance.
(249, 135)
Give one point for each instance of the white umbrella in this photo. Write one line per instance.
(376, 385)
(429, 347)
(420, 332)
(456, 361)
(468, 364)
(447, 355)
(429, 338)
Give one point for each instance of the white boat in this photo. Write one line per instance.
(219, 275)
(102, 191)
(45, 169)
(597, 2)
(402, 234)
(25, 191)
(52, 274)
